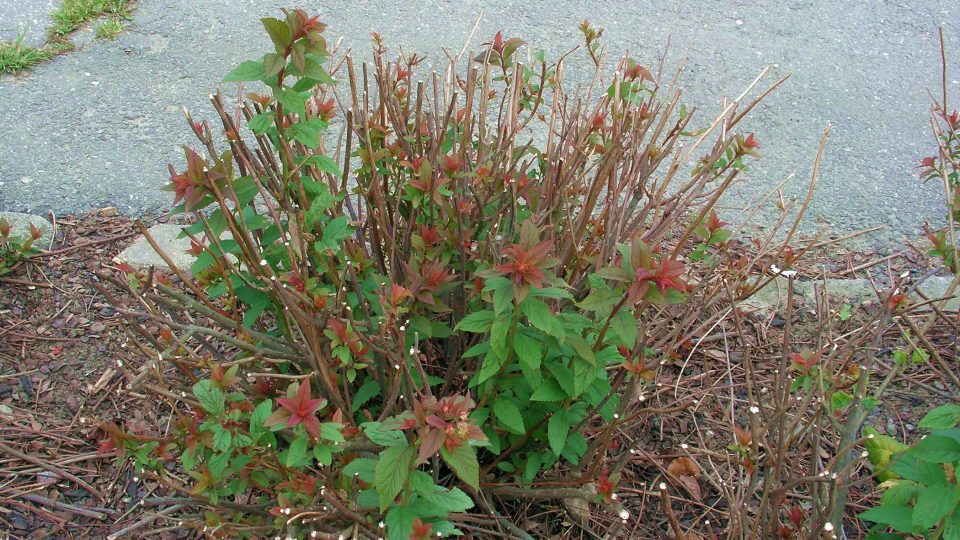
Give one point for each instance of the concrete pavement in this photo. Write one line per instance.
(97, 126)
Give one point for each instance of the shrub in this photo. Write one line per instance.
(444, 313)
(919, 491)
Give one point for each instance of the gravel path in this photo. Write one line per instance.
(96, 127)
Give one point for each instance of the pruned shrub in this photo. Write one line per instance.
(455, 314)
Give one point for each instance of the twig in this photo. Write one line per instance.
(83, 511)
(145, 521)
(54, 469)
(668, 510)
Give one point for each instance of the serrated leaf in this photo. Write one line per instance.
(880, 448)
(210, 396)
(279, 32)
(365, 393)
(937, 449)
(548, 391)
(508, 415)
(391, 472)
(897, 516)
(247, 71)
(297, 451)
(334, 232)
(399, 522)
(583, 348)
(540, 316)
(291, 100)
(452, 500)
(476, 322)
(362, 468)
(625, 326)
(273, 63)
(463, 461)
(557, 429)
(258, 416)
(260, 123)
(942, 417)
(499, 331)
(377, 434)
(933, 504)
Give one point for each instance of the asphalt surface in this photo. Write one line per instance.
(96, 127)
(27, 17)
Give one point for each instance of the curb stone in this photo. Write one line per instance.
(774, 295)
(141, 254)
(20, 226)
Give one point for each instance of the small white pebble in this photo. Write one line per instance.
(663, 485)
(754, 409)
(623, 513)
(828, 526)
(684, 446)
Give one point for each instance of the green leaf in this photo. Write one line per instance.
(323, 454)
(937, 449)
(362, 468)
(453, 500)
(557, 429)
(392, 471)
(933, 504)
(305, 133)
(880, 448)
(897, 516)
(499, 331)
(331, 431)
(530, 353)
(399, 522)
(549, 391)
(291, 100)
(582, 347)
(221, 440)
(476, 322)
(492, 363)
(625, 326)
(279, 32)
(540, 316)
(314, 70)
(378, 434)
(218, 464)
(365, 393)
(273, 63)
(463, 461)
(333, 233)
(247, 71)
(502, 299)
(943, 417)
(297, 451)
(900, 492)
(840, 400)
(257, 418)
(324, 164)
(210, 396)
(261, 122)
(508, 415)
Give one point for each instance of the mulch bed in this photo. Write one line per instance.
(62, 347)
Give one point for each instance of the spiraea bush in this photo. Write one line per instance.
(439, 324)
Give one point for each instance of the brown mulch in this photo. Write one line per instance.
(61, 342)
